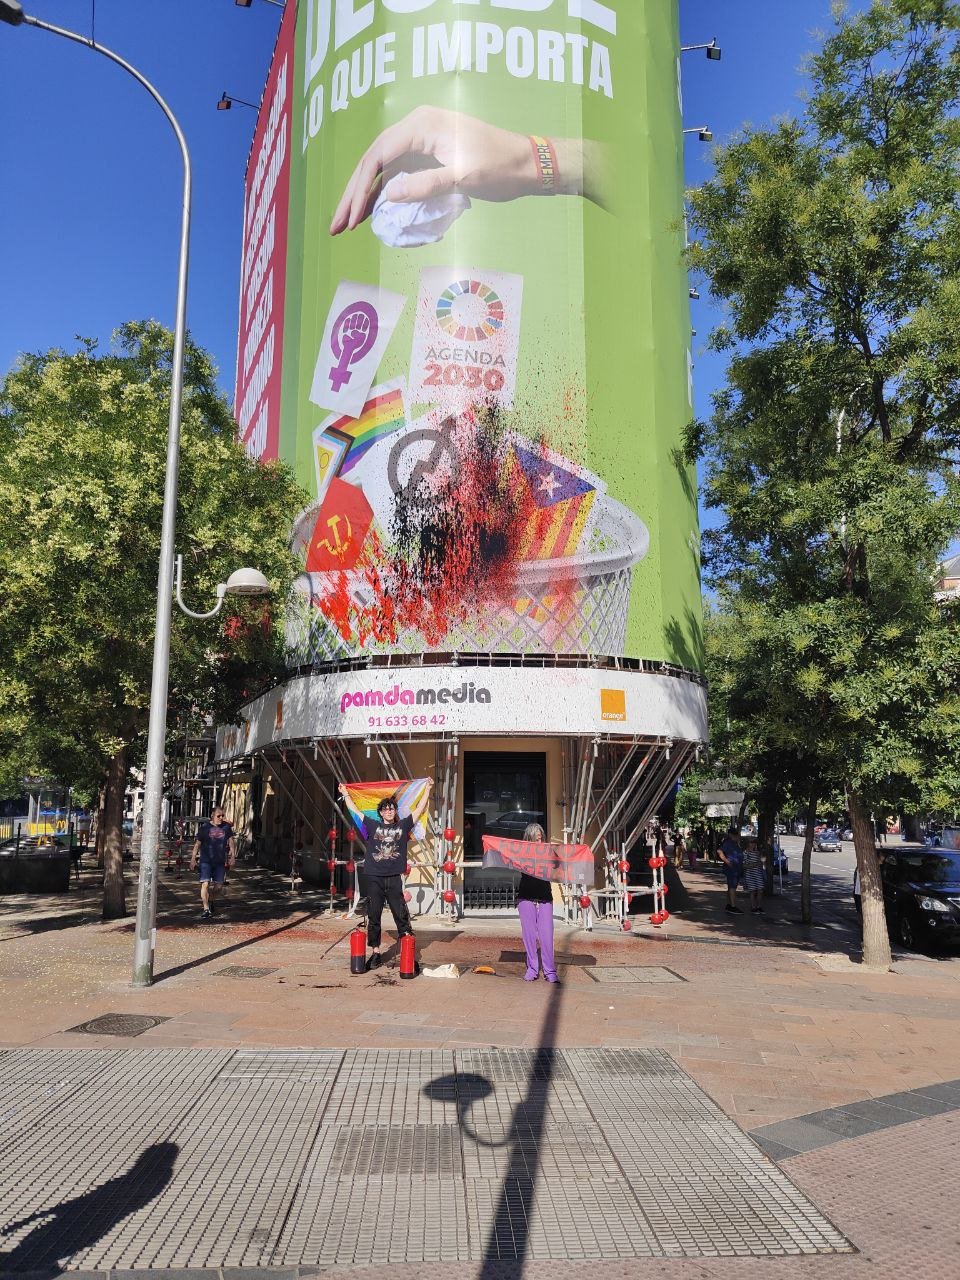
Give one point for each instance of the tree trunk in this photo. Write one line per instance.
(876, 940)
(910, 828)
(114, 898)
(806, 904)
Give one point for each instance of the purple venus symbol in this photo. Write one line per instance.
(354, 334)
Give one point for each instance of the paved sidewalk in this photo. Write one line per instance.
(772, 1022)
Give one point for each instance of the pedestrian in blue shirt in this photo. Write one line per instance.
(731, 855)
(215, 849)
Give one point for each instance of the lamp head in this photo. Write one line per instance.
(713, 49)
(243, 4)
(247, 582)
(705, 135)
(224, 103)
(11, 11)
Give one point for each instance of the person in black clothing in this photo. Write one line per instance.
(535, 905)
(383, 869)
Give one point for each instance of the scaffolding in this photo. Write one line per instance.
(611, 789)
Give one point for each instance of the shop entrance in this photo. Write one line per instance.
(503, 792)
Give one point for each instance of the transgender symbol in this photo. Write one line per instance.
(354, 334)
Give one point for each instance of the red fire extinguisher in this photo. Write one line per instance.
(358, 950)
(408, 956)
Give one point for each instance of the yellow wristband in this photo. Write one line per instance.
(546, 157)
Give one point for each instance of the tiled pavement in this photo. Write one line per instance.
(786, 1028)
(197, 1158)
(820, 1128)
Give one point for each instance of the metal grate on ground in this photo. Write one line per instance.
(626, 973)
(244, 971)
(119, 1024)
(134, 1159)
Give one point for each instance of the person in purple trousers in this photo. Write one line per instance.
(535, 905)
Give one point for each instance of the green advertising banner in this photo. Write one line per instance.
(486, 341)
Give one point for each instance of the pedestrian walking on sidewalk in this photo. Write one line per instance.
(754, 879)
(693, 850)
(679, 849)
(215, 848)
(535, 905)
(383, 868)
(731, 855)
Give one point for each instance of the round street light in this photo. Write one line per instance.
(242, 582)
(247, 582)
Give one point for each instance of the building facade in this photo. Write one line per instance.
(464, 320)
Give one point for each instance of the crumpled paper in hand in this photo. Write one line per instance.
(408, 225)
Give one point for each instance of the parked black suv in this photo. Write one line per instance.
(921, 891)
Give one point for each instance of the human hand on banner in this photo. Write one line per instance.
(470, 157)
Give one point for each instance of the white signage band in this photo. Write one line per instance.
(496, 701)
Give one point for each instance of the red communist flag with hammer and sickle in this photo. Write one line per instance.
(341, 528)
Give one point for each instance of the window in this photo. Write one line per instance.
(503, 792)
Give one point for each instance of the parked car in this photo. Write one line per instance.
(827, 841)
(514, 822)
(921, 895)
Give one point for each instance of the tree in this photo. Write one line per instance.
(832, 243)
(760, 723)
(83, 436)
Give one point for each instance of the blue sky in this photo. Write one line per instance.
(91, 174)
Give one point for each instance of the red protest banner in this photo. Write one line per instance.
(564, 863)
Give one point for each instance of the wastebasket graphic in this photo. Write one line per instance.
(433, 564)
(485, 327)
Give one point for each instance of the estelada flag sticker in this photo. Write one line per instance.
(341, 528)
(613, 704)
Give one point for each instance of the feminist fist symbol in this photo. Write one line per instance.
(354, 334)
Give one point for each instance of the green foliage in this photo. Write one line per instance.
(83, 436)
(832, 243)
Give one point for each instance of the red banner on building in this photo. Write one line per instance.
(564, 863)
(263, 264)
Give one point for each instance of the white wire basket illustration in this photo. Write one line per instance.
(568, 605)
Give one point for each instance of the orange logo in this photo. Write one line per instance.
(278, 716)
(613, 704)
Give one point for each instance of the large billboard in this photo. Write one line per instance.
(263, 262)
(485, 370)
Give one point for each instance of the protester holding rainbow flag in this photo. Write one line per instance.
(385, 815)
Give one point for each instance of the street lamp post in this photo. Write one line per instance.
(11, 12)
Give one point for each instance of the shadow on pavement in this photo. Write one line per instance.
(835, 927)
(75, 1225)
(239, 946)
(511, 1220)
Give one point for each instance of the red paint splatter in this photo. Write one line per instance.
(454, 549)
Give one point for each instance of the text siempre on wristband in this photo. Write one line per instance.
(546, 158)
